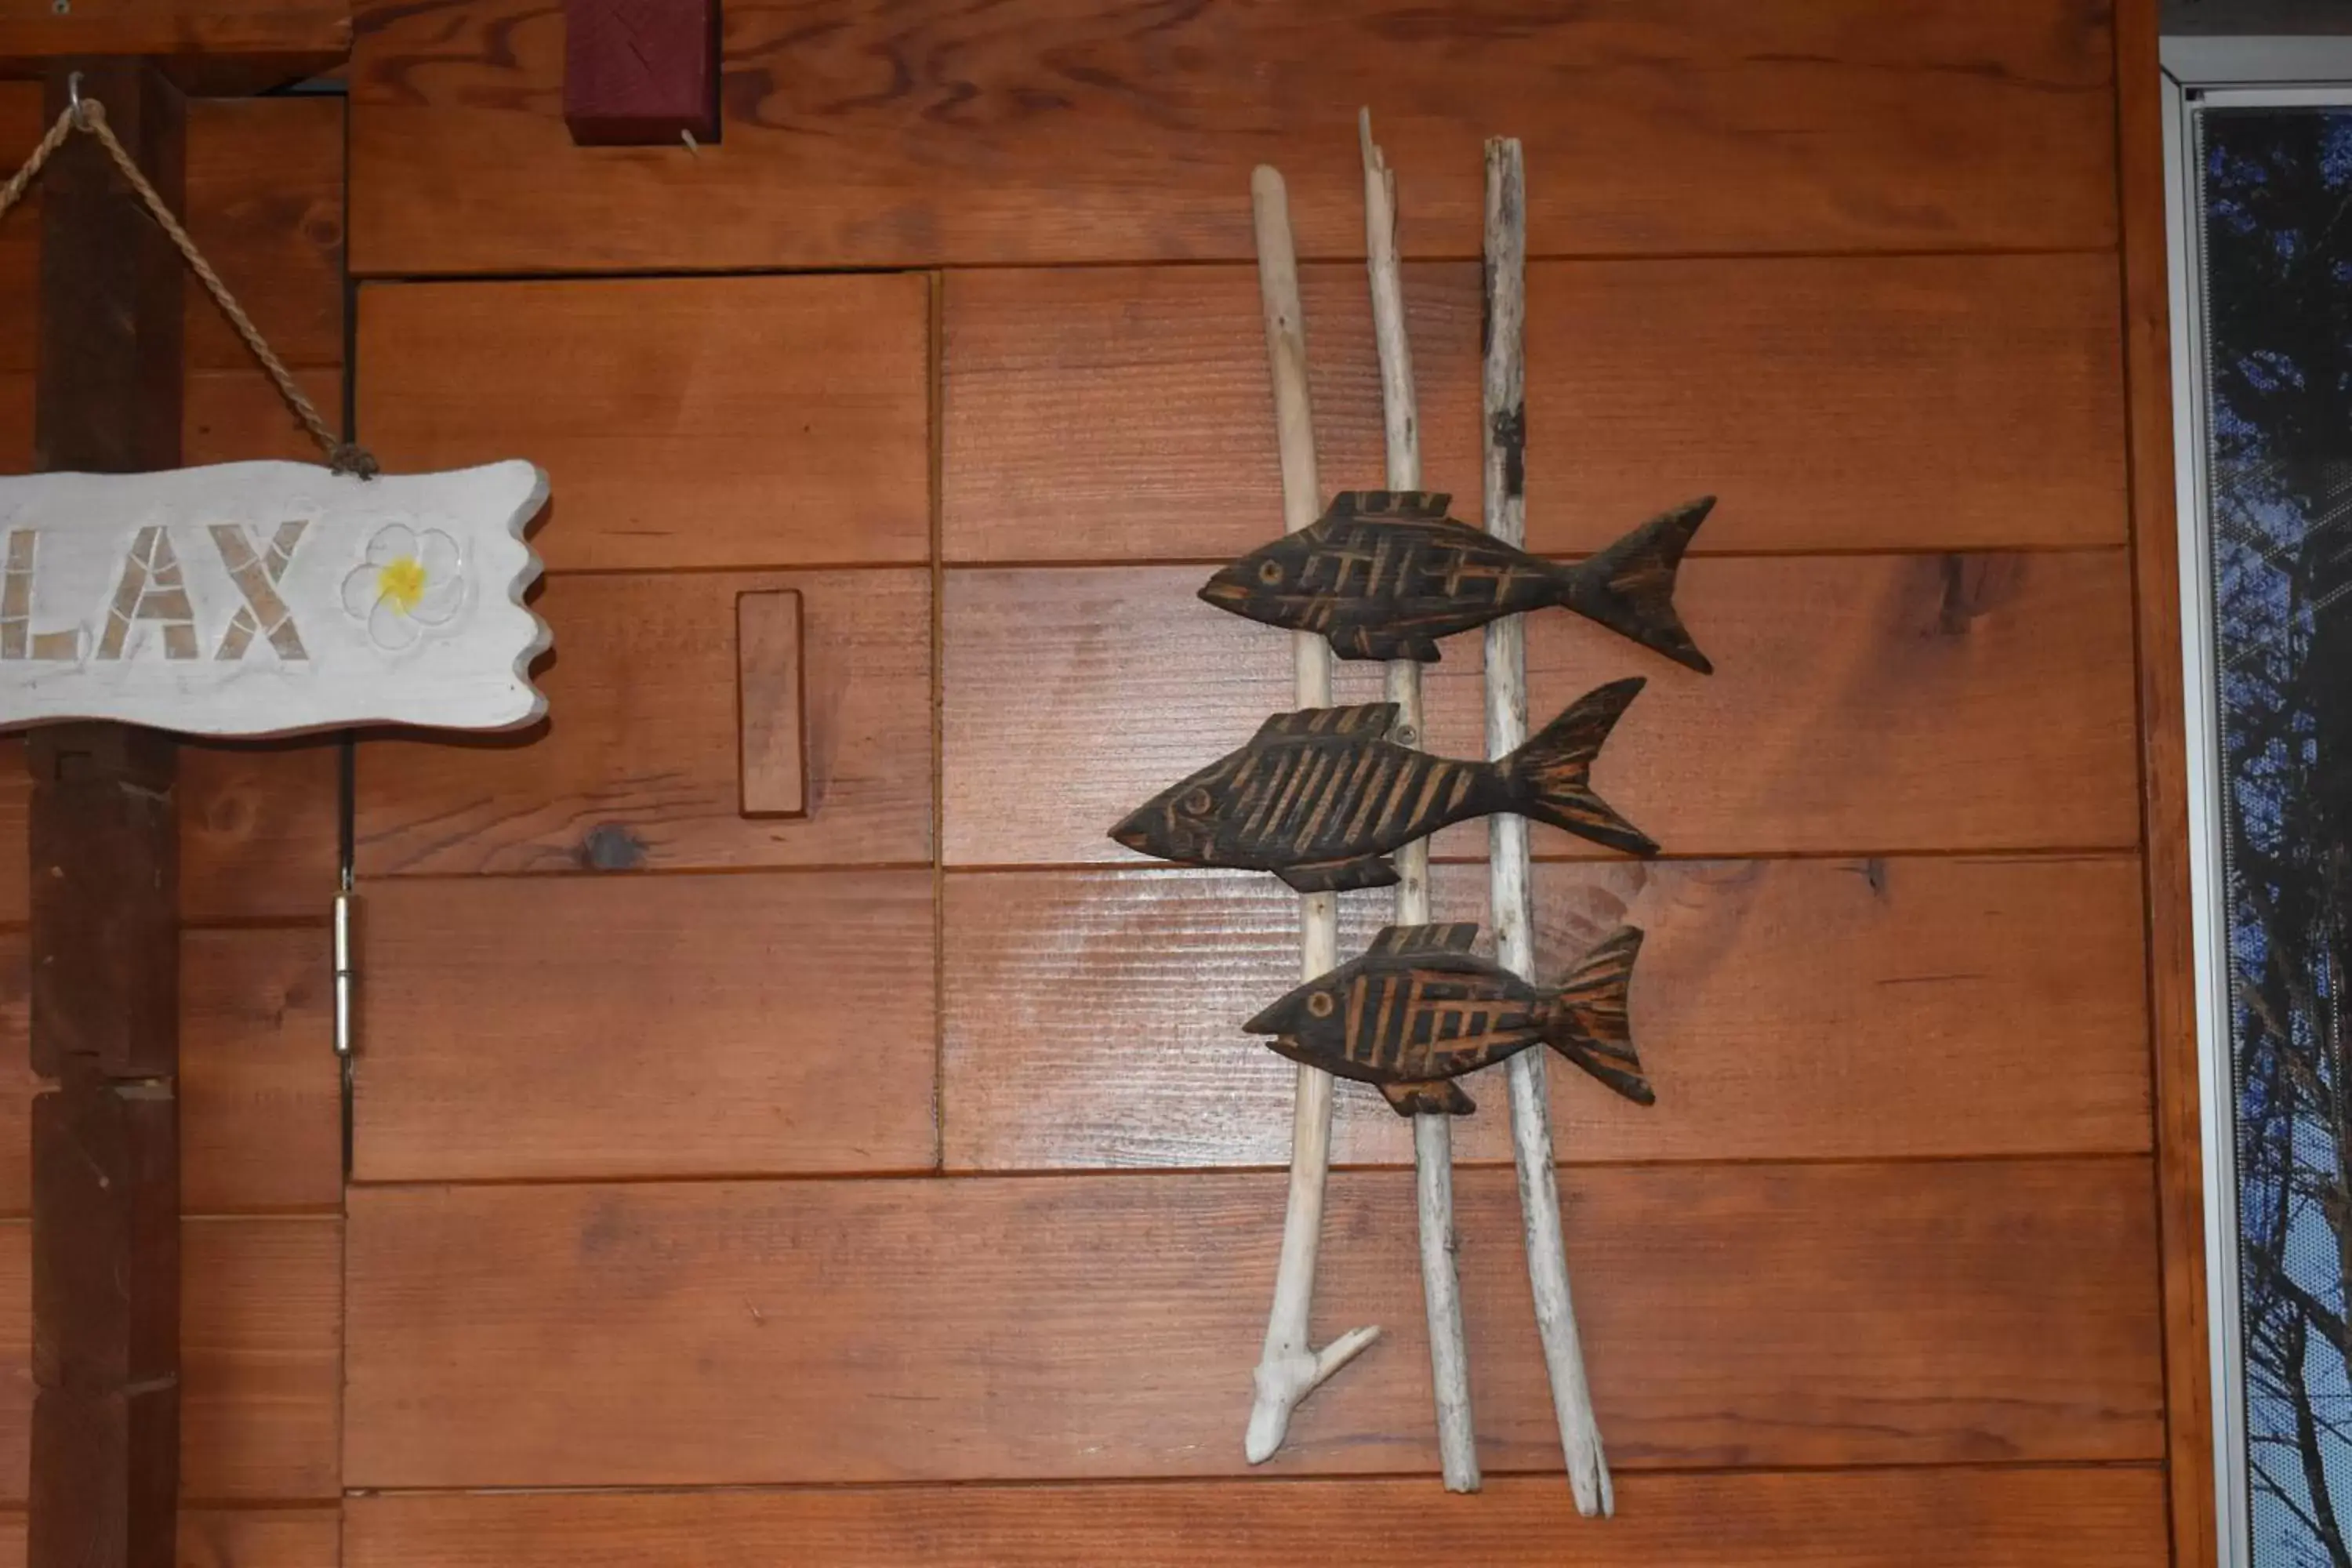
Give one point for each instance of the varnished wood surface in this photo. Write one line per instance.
(1098, 1327)
(2110, 1518)
(2172, 983)
(256, 830)
(258, 1114)
(230, 1537)
(1861, 704)
(1040, 132)
(637, 764)
(1833, 1009)
(682, 422)
(670, 1025)
(265, 200)
(261, 1358)
(1958, 402)
(207, 46)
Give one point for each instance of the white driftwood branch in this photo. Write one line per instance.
(1290, 1368)
(1432, 1135)
(1506, 727)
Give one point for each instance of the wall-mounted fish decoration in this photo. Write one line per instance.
(1418, 1010)
(1319, 796)
(1385, 574)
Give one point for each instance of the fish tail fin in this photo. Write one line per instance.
(1590, 1023)
(1549, 778)
(1630, 586)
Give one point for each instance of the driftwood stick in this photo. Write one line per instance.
(1290, 1368)
(1506, 727)
(1432, 1135)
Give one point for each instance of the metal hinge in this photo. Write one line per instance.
(347, 975)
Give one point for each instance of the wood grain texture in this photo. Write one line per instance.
(1832, 403)
(1038, 132)
(256, 830)
(261, 1358)
(1098, 1327)
(259, 1118)
(2172, 981)
(265, 200)
(229, 1538)
(1791, 1009)
(665, 1025)
(204, 44)
(636, 765)
(685, 422)
(1864, 704)
(1929, 1518)
(772, 703)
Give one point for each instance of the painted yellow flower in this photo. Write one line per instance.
(411, 584)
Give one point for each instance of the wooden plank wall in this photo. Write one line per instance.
(900, 1169)
(893, 1185)
(262, 1313)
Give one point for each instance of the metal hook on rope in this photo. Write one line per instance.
(74, 105)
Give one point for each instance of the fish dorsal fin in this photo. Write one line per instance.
(1454, 937)
(1404, 506)
(1370, 719)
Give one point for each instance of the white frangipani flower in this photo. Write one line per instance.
(412, 583)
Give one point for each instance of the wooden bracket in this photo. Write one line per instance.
(640, 72)
(772, 703)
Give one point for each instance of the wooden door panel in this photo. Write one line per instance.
(637, 767)
(683, 422)
(535, 1028)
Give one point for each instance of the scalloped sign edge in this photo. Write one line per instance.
(271, 598)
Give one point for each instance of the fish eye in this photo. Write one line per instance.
(1319, 1004)
(1196, 803)
(1269, 572)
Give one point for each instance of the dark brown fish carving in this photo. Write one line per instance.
(1319, 796)
(1385, 574)
(1418, 1010)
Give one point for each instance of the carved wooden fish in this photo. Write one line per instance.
(1418, 1010)
(1385, 574)
(1319, 796)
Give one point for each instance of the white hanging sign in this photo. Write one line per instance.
(268, 598)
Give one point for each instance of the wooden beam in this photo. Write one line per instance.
(217, 47)
(105, 892)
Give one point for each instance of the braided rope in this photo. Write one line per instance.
(87, 114)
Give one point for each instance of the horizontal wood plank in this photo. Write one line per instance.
(260, 1112)
(1037, 132)
(1098, 1327)
(261, 1358)
(265, 201)
(1925, 1518)
(206, 46)
(1832, 403)
(1859, 704)
(671, 1026)
(230, 1537)
(637, 764)
(682, 422)
(1787, 1009)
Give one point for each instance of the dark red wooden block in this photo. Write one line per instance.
(639, 72)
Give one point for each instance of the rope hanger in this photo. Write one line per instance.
(89, 115)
